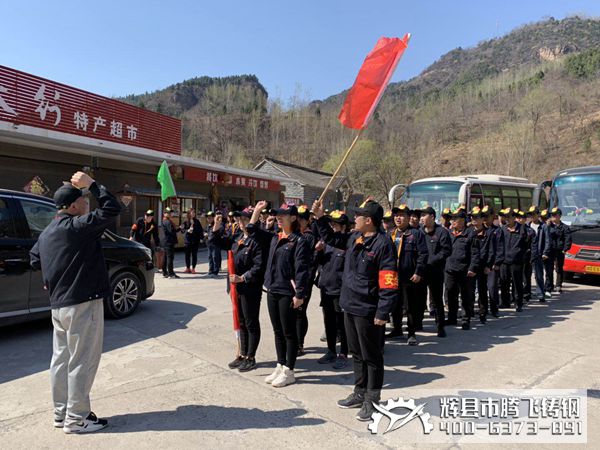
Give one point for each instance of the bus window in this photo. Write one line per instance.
(492, 196)
(511, 202)
(526, 198)
(476, 196)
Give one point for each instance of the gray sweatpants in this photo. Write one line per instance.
(77, 347)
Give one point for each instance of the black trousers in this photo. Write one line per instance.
(302, 321)
(214, 259)
(480, 283)
(434, 281)
(191, 255)
(560, 262)
(457, 283)
(334, 323)
(364, 343)
(248, 313)
(167, 268)
(408, 296)
(511, 275)
(527, 272)
(493, 281)
(283, 319)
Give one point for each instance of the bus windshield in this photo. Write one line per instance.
(578, 197)
(438, 195)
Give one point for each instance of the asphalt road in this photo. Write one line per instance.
(163, 379)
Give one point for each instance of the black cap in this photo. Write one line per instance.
(66, 195)
(476, 212)
(533, 210)
(286, 209)
(303, 212)
(459, 213)
(402, 209)
(447, 213)
(487, 211)
(210, 214)
(428, 210)
(338, 217)
(555, 212)
(246, 212)
(370, 208)
(150, 212)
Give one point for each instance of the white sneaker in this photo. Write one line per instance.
(88, 425)
(285, 377)
(59, 423)
(275, 374)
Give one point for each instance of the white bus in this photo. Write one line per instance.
(498, 191)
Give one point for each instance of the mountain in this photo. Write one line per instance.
(514, 105)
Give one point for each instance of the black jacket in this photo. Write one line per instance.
(288, 263)
(143, 232)
(515, 244)
(370, 278)
(439, 247)
(209, 232)
(248, 260)
(497, 244)
(487, 256)
(465, 252)
(330, 261)
(196, 235)
(560, 237)
(69, 252)
(169, 234)
(413, 254)
(542, 242)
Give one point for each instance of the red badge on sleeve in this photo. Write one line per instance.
(388, 279)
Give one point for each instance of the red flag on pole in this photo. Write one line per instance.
(233, 293)
(371, 81)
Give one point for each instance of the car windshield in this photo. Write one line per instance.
(578, 197)
(438, 195)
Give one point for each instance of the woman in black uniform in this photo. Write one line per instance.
(248, 278)
(287, 280)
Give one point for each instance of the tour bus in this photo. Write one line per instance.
(498, 191)
(577, 193)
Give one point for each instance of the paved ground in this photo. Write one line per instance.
(163, 379)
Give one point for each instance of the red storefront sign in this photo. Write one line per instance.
(228, 179)
(29, 100)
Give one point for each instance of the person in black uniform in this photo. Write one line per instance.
(330, 262)
(462, 265)
(192, 232)
(529, 256)
(169, 242)
(369, 290)
(540, 248)
(144, 230)
(249, 277)
(487, 259)
(446, 216)
(560, 243)
(511, 272)
(307, 232)
(412, 253)
(388, 222)
(496, 247)
(287, 280)
(214, 251)
(439, 248)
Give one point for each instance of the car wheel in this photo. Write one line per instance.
(126, 295)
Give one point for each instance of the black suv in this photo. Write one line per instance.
(22, 296)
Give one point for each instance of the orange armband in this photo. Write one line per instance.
(388, 279)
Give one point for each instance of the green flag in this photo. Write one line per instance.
(167, 188)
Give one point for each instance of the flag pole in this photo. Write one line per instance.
(340, 165)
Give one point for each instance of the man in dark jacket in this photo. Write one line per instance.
(369, 290)
(69, 253)
(560, 243)
(496, 242)
(169, 241)
(541, 246)
(487, 259)
(411, 253)
(214, 250)
(439, 248)
(462, 265)
(515, 247)
(144, 230)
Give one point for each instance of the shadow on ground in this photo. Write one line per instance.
(26, 348)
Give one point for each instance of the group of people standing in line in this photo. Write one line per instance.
(381, 265)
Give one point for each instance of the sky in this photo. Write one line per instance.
(309, 48)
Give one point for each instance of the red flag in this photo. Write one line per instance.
(233, 291)
(371, 81)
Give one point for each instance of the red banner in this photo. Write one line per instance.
(29, 100)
